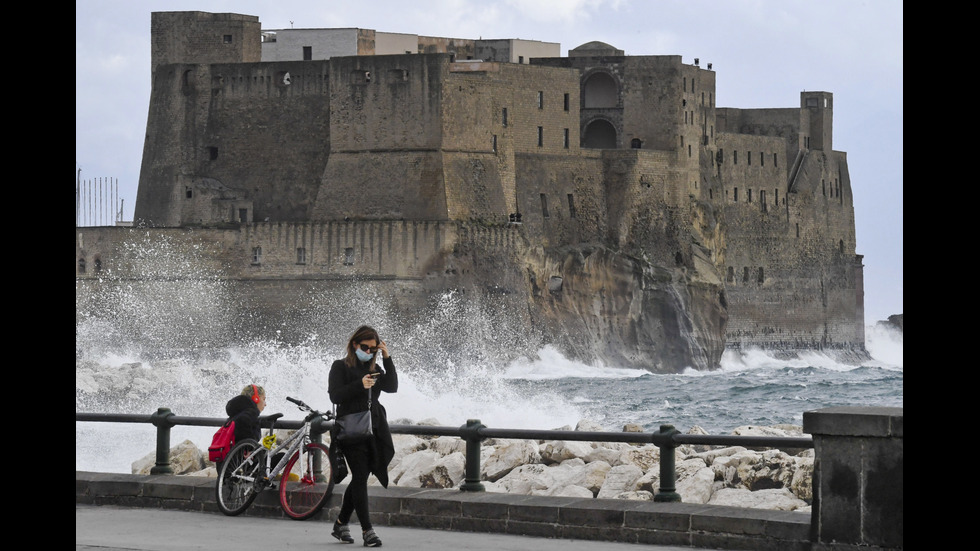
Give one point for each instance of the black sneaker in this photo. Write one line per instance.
(342, 533)
(371, 539)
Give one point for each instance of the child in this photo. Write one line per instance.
(244, 409)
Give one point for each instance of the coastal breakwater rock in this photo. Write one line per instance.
(735, 476)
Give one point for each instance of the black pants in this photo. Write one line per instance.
(359, 461)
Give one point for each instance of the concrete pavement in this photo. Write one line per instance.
(107, 527)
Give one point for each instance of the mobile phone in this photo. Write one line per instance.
(374, 375)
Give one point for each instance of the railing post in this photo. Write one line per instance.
(161, 420)
(668, 491)
(471, 433)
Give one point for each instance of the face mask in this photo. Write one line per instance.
(362, 355)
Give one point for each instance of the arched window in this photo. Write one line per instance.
(600, 134)
(600, 90)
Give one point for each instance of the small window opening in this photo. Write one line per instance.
(98, 265)
(188, 193)
(81, 263)
(504, 116)
(731, 274)
(243, 216)
(540, 136)
(745, 274)
(761, 277)
(493, 143)
(540, 100)
(566, 102)
(213, 153)
(571, 206)
(565, 139)
(349, 256)
(307, 53)
(636, 143)
(227, 39)
(256, 255)
(301, 255)
(544, 206)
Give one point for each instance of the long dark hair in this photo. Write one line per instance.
(363, 333)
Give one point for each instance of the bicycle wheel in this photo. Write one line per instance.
(236, 477)
(306, 492)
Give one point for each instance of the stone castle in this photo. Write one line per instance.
(602, 200)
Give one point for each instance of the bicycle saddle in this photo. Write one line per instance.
(271, 419)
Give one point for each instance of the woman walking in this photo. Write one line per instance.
(356, 381)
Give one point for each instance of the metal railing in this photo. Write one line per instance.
(473, 432)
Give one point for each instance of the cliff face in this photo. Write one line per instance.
(597, 305)
(619, 310)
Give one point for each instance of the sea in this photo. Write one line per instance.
(540, 389)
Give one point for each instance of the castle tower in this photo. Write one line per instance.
(819, 107)
(200, 37)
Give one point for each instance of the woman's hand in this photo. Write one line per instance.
(369, 380)
(383, 347)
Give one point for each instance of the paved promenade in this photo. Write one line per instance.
(109, 527)
(166, 512)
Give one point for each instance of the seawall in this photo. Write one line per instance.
(643, 522)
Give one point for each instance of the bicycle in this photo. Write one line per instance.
(305, 466)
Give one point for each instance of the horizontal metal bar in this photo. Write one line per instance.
(656, 438)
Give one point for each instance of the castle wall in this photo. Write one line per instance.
(245, 125)
(201, 37)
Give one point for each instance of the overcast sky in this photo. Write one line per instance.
(764, 53)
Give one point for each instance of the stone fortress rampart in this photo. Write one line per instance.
(605, 195)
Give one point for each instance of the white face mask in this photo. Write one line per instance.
(362, 355)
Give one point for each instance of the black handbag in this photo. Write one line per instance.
(355, 427)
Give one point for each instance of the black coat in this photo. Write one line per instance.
(245, 413)
(348, 392)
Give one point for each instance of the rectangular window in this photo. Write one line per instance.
(734, 157)
(762, 159)
(301, 255)
(565, 138)
(349, 256)
(544, 206)
(256, 255)
(749, 198)
(189, 193)
(540, 100)
(307, 53)
(213, 153)
(762, 200)
(571, 206)
(504, 116)
(735, 196)
(540, 136)
(226, 39)
(243, 216)
(748, 158)
(775, 159)
(566, 102)
(494, 143)
(520, 59)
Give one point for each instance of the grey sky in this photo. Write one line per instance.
(764, 53)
